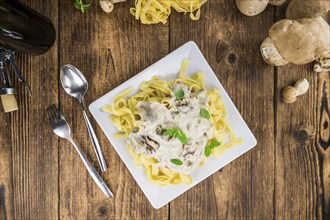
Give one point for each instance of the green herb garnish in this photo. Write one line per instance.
(176, 161)
(181, 136)
(207, 151)
(171, 131)
(176, 132)
(179, 94)
(214, 144)
(204, 113)
(80, 5)
(208, 148)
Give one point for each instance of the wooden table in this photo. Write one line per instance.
(286, 176)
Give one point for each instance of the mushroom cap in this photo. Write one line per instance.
(301, 41)
(251, 7)
(293, 41)
(307, 9)
(289, 94)
(321, 30)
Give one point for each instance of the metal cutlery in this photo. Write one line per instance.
(62, 129)
(76, 85)
(7, 91)
(9, 55)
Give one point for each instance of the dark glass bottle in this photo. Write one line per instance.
(24, 29)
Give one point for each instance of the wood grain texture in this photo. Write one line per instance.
(322, 141)
(244, 189)
(6, 179)
(286, 176)
(108, 49)
(29, 154)
(300, 170)
(297, 171)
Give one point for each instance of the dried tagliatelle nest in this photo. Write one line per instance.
(155, 11)
(151, 11)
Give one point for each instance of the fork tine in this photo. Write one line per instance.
(51, 114)
(57, 113)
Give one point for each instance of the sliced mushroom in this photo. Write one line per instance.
(150, 143)
(182, 102)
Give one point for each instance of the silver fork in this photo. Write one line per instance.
(62, 129)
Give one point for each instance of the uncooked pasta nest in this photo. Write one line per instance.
(155, 11)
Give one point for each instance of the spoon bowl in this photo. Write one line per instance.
(75, 84)
(73, 81)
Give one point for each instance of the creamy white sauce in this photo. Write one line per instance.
(183, 114)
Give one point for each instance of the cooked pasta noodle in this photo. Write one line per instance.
(126, 117)
(155, 11)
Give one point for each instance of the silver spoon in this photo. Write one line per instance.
(76, 85)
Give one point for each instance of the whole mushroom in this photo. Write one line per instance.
(108, 5)
(251, 7)
(302, 38)
(296, 41)
(291, 93)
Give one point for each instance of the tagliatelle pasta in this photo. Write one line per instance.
(151, 11)
(126, 117)
(155, 11)
(189, 6)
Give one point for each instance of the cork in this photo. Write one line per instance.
(9, 103)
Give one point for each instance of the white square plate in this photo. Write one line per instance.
(168, 68)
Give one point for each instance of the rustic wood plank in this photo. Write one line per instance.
(6, 180)
(108, 49)
(302, 169)
(323, 140)
(285, 177)
(29, 154)
(230, 42)
(297, 162)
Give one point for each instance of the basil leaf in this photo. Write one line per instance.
(181, 136)
(86, 6)
(179, 94)
(79, 4)
(207, 151)
(204, 113)
(171, 131)
(214, 144)
(176, 161)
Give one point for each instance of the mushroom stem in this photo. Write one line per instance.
(117, 1)
(108, 5)
(276, 2)
(301, 86)
(270, 54)
(322, 64)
